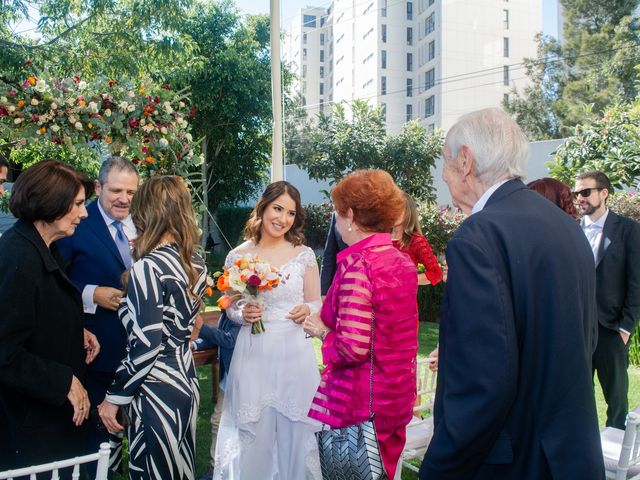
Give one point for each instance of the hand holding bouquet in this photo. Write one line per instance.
(244, 280)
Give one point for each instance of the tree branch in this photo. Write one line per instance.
(10, 44)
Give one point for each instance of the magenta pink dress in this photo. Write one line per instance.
(372, 275)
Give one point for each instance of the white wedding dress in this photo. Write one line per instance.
(265, 433)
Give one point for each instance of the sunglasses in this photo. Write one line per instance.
(585, 192)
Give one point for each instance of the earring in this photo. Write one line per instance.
(349, 229)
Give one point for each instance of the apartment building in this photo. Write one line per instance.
(428, 59)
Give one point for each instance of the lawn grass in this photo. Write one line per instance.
(428, 337)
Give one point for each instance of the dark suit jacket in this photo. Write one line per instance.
(41, 348)
(518, 327)
(224, 337)
(333, 245)
(618, 274)
(93, 259)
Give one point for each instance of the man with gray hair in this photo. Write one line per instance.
(98, 253)
(518, 323)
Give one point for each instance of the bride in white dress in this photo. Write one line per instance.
(265, 433)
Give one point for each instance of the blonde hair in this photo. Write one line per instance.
(411, 221)
(161, 206)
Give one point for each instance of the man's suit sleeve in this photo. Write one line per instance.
(631, 309)
(478, 364)
(331, 249)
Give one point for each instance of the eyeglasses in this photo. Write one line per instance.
(585, 192)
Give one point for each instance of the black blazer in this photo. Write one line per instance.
(618, 274)
(333, 245)
(518, 327)
(41, 348)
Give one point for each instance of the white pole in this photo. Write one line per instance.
(277, 167)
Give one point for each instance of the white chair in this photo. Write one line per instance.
(621, 449)
(102, 457)
(420, 428)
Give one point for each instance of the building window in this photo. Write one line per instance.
(304, 71)
(429, 106)
(505, 99)
(409, 10)
(409, 36)
(321, 88)
(304, 87)
(430, 23)
(309, 21)
(322, 55)
(384, 33)
(322, 105)
(409, 112)
(383, 58)
(409, 62)
(304, 38)
(383, 9)
(409, 87)
(321, 72)
(383, 107)
(321, 38)
(431, 128)
(304, 53)
(505, 19)
(429, 79)
(506, 46)
(505, 74)
(432, 50)
(383, 85)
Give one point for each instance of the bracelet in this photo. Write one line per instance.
(324, 334)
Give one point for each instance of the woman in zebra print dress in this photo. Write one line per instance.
(156, 382)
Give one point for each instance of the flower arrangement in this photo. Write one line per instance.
(245, 279)
(145, 122)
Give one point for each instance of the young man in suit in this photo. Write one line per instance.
(98, 253)
(4, 172)
(514, 398)
(615, 243)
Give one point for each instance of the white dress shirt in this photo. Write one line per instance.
(130, 231)
(593, 231)
(482, 201)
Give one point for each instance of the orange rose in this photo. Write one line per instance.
(223, 283)
(43, 130)
(107, 139)
(20, 103)
(149, 160)
(224, 302)
(32, 80)
(208, 291)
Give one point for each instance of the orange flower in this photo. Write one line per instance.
(81, 102)
(149, 160)
(208, 291)
(224, 302)
(32, 80)
(223, 283)
(20, 103)
(141, 91)
(107, 139)
(89, 125)
(43, 130)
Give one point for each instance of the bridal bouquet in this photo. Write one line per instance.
(244, 280)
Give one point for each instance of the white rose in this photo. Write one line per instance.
(72, 119)
(82, 85)
(148, 128)
(164, 130)
(34, 101)
(181, 104)
(71, 101)
(199, 161)
(18, 120)
(41, 85)
(131, 108)
(78, 125)
(3, 99)
(163, 143)
(93, 107)
(123, 106)
(54, 105)
(107, 112)
(11, 108)
(188, 137)
(54, 128)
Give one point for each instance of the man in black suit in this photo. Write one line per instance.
(615, 243)
(518, 327)
(332, 246)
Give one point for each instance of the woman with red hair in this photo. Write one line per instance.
(375, 286)
(556, 192)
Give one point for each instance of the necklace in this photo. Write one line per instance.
(162, 244)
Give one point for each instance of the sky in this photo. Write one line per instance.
(289, 8)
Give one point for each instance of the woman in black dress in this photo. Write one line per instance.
(42, 342)
(156, 382)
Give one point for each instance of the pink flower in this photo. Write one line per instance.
(12, 93)
(254, 280)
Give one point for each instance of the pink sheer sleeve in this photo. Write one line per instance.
(348, 343)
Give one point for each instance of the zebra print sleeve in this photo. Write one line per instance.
(143, 321)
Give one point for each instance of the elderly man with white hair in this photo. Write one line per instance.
(518, 322)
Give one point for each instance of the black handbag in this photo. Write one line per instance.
(352, 453)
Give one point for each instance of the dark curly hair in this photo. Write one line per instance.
(556, 192)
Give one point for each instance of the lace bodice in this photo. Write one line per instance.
(291, 291)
